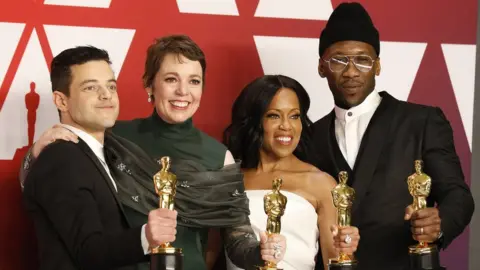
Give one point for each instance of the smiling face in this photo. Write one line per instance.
(281, 124)
(350, 86)
(177, 88)
(92, 104)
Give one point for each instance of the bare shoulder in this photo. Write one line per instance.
(315, 175)
(320, 183)
(322, 179)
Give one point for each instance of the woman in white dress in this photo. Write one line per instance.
(269, 133)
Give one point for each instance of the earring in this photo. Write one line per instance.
(149, 98)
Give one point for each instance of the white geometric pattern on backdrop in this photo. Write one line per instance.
(212, 7)
(298, 9)
(10, 35)
(460, 61)
(80, 3)
(115, 41)
(298, 58)
(13, 117)
(400, 62)
(33, 68)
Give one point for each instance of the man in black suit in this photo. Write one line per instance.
(70, 192)
(376, 139)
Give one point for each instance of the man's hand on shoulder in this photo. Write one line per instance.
(57, 132)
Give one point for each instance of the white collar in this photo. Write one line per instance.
(93, 143)
(370, 103)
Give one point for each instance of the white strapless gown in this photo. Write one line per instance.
(299, 226)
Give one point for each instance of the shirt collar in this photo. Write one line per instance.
(370, 103)
(93, 143)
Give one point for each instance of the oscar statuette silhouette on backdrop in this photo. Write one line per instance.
(32, 100)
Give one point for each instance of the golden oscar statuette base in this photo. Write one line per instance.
(343, 197)
(166, 257)
(423, 256)
(274, 203)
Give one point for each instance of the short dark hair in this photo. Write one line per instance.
(61, 74)
(176, 44)
(244, 136)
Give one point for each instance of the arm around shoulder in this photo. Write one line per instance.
(242, 246)
(57, 186)
(27, 163)
(449, 190)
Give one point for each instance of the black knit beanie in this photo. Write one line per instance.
(349, 21)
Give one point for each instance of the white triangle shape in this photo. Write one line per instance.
(13, 117)
(11, 33)
(298, 9)
(400, 62)
(212, 7)
(80, 3)
(460, 61)
(115, 41)
(298, 58)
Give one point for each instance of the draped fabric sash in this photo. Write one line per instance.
(204, 198)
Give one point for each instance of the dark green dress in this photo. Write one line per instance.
(179, 141)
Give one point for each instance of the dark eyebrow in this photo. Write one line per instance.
(178, 75)
(95, 81)
(171, 73)
(88, 81)
(280, 111)
(340, 52)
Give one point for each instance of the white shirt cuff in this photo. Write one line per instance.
(144, 240)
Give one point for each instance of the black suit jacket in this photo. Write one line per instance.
(398, 133)
(78, 219)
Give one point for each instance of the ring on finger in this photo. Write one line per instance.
(348, 239)
(277, 254)
(277, 246)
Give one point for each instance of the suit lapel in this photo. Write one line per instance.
(335, 153)
(101, 170)
(335, 156)
(371, 147)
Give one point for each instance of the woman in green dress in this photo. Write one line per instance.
(210, 192)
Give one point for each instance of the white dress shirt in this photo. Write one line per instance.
(350, 125)
(97, 149)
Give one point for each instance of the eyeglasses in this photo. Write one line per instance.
(339, 63)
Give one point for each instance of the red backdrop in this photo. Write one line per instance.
(39, 29)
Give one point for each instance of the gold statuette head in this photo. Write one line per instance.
(419, 183)
(343, 197)
(277, 184)
(165, 161)
(274, 205)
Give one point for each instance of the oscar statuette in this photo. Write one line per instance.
(274, 203)
(165, 257)
(423, 256)
(343, 197)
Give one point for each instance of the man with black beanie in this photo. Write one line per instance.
(376, 139)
